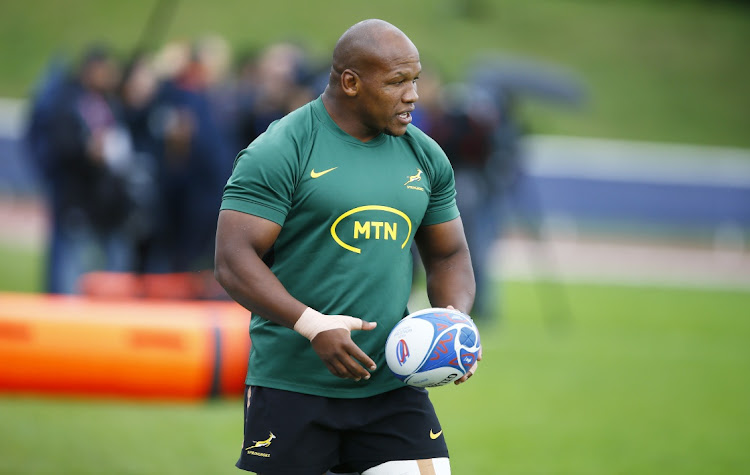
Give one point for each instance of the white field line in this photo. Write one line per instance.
(631, 264)
(24, 223)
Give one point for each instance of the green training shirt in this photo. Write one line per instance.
(348, 211)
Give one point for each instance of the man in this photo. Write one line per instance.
(87, 167)
(331, 196)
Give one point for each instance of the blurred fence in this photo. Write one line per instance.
(671, 186)
(16, 174)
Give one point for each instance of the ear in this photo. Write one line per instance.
(350, 82)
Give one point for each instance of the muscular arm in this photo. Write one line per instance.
(445, 255)
(241, 241)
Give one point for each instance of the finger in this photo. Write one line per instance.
(354, 323)
(468, 374)
(334, 369)
(368, 325)
(359, 355)
(354, 370)
(345, 367)
(339, 369)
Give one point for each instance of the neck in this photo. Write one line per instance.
(345, 117)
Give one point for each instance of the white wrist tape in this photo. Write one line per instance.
(312, 322)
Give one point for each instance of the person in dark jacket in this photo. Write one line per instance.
(90, 156)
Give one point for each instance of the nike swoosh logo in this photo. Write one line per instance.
(315, 174)
(434, 436)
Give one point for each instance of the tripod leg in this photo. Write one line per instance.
(550, 289)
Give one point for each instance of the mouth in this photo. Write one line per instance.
(405, 117)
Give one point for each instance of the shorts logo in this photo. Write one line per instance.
(434, 436)
(260, 443)
(402, 352)
(367, 229)
(412, 179)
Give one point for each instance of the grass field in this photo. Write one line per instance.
(673, 71)
(635, 380)
(22, 268)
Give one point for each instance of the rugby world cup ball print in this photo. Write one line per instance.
(432, 347)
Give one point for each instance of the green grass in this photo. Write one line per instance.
(22, 268)
(632, 380)
(95, 437)
(642, 380)
(666, 71)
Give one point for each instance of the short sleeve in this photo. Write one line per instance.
(262, 181)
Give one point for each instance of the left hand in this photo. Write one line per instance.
(473, 369)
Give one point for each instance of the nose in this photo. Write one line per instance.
(411, 93)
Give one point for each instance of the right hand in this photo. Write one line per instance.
(330, 336)
(339, 352)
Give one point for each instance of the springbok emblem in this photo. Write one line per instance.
(262, 443)
(417, 177)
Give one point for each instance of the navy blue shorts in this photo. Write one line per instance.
(293, 433)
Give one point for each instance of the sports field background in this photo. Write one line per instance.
(578, 378)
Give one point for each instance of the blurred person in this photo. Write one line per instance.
(430, 87)
(429, 94)
(214, 54)
(272, 84)
(38, 131)
(139, 92)
(193, 165)
(491, 148)
(466, 123)
(89, 156)
(283, 71)
(348, 160)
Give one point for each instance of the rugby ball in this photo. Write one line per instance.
(432, 347)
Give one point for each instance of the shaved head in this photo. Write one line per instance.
(368, 44)
(372, 87)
